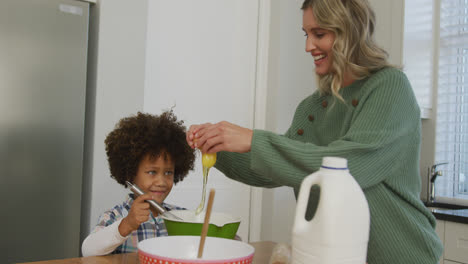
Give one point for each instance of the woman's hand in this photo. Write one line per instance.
(190, 135)
(222, 136)
(139, 213)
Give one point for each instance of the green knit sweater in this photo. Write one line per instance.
(378, 130)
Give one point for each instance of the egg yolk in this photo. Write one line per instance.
(208, 160)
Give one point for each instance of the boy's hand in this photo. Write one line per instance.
(139, 213)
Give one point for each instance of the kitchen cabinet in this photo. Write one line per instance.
(440, 230)
(456, 242)
(454, 237)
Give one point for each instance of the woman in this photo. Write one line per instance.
(365, 111)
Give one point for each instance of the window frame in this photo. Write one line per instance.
(429, 125)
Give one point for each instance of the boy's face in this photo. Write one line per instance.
(156, 176)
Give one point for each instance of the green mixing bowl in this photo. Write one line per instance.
(221, 225)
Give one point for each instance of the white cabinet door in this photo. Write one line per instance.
(450, 262)
(456, 242)
(201, 58)
(440, 230)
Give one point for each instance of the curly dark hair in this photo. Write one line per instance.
(135, 137)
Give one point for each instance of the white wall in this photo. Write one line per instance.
(201, 58)
(389, 28)
(291, 79)
(204, 49)
(116, 69)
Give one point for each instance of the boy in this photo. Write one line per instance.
(151, 152)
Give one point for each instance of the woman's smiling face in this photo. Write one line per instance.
(319, 42)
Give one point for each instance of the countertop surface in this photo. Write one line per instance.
(457, 215)
(262, 255)
(449, 212)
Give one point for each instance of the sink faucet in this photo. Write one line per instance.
(432, 175)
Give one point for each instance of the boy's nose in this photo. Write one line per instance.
(159, 180)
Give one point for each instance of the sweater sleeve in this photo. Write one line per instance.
(103, 241)
(384, 123)
(237, 167)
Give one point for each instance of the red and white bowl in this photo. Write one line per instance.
(184, 250)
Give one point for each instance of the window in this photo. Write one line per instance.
(418, 50)
(452, 100)
(436, 62)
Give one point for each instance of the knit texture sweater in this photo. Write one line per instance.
(378, 130)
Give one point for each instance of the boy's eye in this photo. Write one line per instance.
(169, 173)
(152, 172)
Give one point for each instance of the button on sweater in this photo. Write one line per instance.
(377, 128)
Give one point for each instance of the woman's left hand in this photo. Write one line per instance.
(222, 136)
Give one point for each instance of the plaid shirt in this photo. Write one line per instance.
(154, 227)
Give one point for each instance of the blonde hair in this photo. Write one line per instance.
(354, 50)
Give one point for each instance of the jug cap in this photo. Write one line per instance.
(334, 162)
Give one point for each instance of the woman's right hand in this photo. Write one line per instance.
(139, 213)
(190, 134)
(222, 136)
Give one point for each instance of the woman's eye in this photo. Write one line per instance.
(319, 35)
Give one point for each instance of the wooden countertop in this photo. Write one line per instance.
(262, 255)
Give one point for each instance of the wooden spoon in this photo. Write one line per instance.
(206, 223)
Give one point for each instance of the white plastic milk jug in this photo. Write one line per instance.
(339, 230)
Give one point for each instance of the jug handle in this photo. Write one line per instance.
(303, 198)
